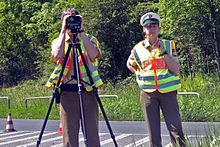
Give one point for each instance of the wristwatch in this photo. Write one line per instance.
(164, 53)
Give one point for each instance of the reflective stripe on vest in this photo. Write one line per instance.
(91, 65)
(153, 73)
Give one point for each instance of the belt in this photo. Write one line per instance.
(70, 87)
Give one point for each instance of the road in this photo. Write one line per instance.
(126, 133)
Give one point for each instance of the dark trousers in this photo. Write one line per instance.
(167, 102)
(70, 118)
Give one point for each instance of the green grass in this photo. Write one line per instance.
(36, 108)
(206, 107)
(212, 139)
(126, 107)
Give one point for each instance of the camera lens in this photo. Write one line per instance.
(71, 19)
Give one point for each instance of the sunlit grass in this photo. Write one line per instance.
(126, 107)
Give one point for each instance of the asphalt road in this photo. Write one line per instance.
(136, 127)
(125, 132)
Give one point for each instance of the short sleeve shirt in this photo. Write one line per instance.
(147, 45)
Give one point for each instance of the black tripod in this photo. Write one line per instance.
(56, 91)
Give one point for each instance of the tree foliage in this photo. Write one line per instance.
(116, 24)
(27, 28)
(190, 23)
(18, 56)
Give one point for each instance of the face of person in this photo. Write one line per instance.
(151, 30)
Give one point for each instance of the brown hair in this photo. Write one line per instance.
(67, 11)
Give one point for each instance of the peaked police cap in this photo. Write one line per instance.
(149, 18)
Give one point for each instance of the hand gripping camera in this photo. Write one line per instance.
(74, 23)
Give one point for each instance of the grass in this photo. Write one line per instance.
(126, 107)
(203, 108)
(36, 108)
(212, 139)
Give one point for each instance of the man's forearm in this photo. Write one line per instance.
(58, 46)
(92, 51)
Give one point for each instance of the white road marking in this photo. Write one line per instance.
(23, 139)
(116, 138)
(10, 133)
(8, 137)
(81, 139)
(43, 141)
(139, 142)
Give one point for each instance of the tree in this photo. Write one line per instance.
(116, 24)
(17, 55)
(215, 21)
(25, 45)
(189, 23)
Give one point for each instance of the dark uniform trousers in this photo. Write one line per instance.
(70, 118)
(167, 102)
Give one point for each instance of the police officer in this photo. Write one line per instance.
(70, 103)
(156, 65)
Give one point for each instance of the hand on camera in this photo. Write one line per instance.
(64, 23)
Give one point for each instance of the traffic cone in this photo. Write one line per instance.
(9, 125)
(60, 131)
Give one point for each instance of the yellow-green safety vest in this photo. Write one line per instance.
(153, 73)
(92, 65)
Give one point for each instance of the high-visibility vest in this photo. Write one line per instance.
(153, 73)
(92, 65)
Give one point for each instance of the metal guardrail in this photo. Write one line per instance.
(35, 98)
(7, 101)
(48, 97)
(188, 93)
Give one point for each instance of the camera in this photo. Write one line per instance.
(74, 23)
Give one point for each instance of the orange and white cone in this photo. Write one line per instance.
(60, 131)
(9, 125)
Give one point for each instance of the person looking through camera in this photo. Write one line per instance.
(69, 98)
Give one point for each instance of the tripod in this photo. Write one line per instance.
(56, 93)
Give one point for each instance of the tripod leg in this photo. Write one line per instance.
(56, 95)
(106, 120)
(83, 122)
(45, 122)
(77, 71)
(97, 96)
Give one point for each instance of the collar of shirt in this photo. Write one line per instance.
(148, 45)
